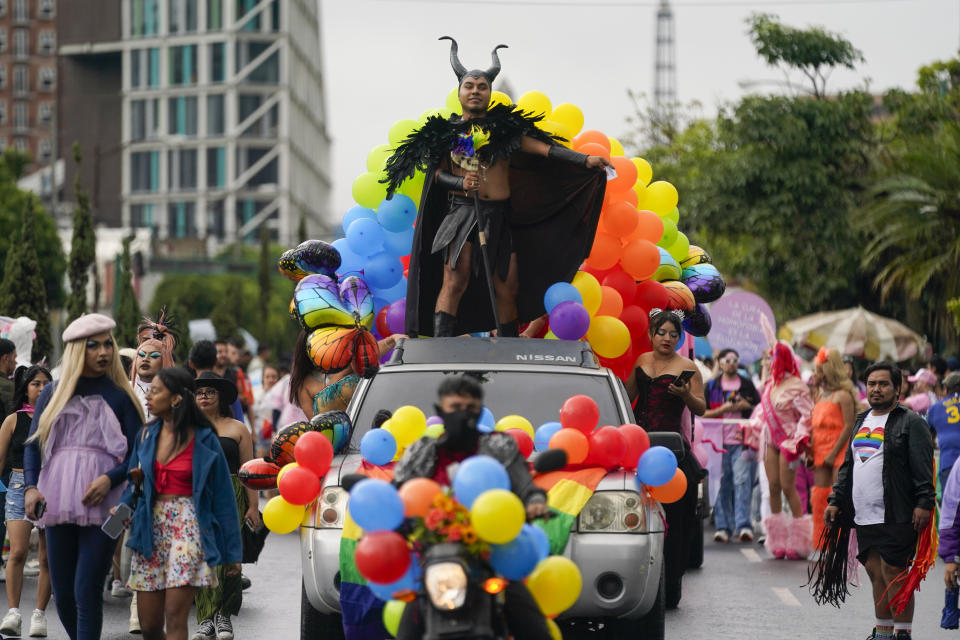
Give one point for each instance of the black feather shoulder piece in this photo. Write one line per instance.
(504, 125)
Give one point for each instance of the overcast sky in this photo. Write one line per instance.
(382, 61)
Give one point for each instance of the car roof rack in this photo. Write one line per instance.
(568, 353)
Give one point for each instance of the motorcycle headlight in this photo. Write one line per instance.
(331, 508)
(612, 512)
(446, 583)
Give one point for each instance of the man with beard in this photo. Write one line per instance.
(494, 180)
(460, 403)
(885, 488)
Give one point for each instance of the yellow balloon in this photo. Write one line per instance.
(433, 431)
(284, 469)
(392, 612)
(555, 633)
(550, 336)
(430, 113)
(608, 336)
(555, 584)
(499, 97)
(368, 191)
(535, 103)
(377, 157)
(453, 101)
(589, 290)
(660, 197)
(413, 187)
(282, 517)
(644, 171)
(514, 422)
(497, 516)
(640, 190)
(616, 149)
(409, 423)
(570, 116)
(557, 130)
(400, 130)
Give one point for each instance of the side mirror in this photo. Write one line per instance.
(550, 460)
(351, 479)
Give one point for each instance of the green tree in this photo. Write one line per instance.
(302, 229)
(22, 290)
(83, 248)
(265, 267)
(126, 308)
(224, 314)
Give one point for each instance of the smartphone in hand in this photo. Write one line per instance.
(117, 522)
(683, 378)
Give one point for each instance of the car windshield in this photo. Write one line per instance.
(535, 396)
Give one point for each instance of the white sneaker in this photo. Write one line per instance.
(134, 617)
(38, 624)
(721, 536)
(11, 623)
(32, 568)
(118, 590)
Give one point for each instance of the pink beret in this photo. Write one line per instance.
(88, 325)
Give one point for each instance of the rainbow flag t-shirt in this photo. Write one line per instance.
(867, 441)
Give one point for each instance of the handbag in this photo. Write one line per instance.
(253, 541)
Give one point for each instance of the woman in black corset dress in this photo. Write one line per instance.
(216, 605)
(659, 407)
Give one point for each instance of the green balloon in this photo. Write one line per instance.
(368, 191)
(674, 215)
(392, 612)
(669, 234)
(400, 130)
(434, 431)
(680, 247)
(377, 157)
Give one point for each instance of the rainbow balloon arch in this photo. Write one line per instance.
(640, 260)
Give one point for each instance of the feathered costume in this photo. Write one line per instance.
(549, 221)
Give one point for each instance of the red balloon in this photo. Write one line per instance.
(622, 365)
(623, 283)
(637, 321)
(382, 556)
(607, 447)
(524, 441)
(314, 451)
(636, 442)
(381, 323)
(642, 345)
(299, 485)
(599, 274)
(651, 295)
(581, 413)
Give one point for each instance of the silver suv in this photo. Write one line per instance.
(617, 541)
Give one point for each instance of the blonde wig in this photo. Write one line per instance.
(833, 375)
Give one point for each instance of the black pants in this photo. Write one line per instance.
(524, 619)
(681, 527)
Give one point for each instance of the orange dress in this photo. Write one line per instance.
(827, 423)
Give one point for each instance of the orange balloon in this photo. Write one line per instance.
(611, 302)
(592, 136)
(612, 197)
(641, 259)
(672, 491)
(606, 252)
(417, 495)
(649, 227)
(619, 219)
(573, 442)
(679, 296)
(626, 174)
(594, 149)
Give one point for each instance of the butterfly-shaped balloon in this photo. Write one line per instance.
(336, 426)
(309, 257)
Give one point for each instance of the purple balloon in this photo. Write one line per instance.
(434, 420)
(569, 320)
(396, 315)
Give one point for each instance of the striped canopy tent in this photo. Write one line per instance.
(854, 332)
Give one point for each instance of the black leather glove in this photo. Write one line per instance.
(559, 152)
(450, 182)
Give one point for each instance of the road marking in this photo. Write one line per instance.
(751, 555)
(786, 597)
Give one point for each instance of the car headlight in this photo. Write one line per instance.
(612, 512)
(446, 583)
(332, 508)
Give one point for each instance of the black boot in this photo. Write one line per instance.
(509, 329)
(443, 324)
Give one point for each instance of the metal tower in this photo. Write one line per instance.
(665, 69)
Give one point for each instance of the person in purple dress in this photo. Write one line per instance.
(75, 465)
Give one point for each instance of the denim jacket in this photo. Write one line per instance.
(213, 497)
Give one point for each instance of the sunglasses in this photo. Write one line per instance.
(153, 354)
(730, 360)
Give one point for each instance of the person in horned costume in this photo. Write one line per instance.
(156, 340)
(497, 188)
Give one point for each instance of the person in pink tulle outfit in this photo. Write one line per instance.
(785, 410)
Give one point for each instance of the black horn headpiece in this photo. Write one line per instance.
(462, 72)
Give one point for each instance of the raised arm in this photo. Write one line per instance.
(561, 153)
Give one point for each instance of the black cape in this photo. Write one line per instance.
(555, 210)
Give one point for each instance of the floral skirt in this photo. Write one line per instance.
(178, 559)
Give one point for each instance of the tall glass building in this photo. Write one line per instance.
(223, 120)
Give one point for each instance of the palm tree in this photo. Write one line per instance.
(912, 222)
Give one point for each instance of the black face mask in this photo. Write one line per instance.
(460, 429)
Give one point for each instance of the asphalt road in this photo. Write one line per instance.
(740, 594)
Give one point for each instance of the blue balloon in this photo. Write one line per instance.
(486, 418)
(378, 446)
(394, 293)
(349, 260)
(515, 559)
(409, 582)
(382, 271)
(540, 538)
(398, 244)
(683, 338)
(656, 467)
(397, 214)
(477, 474)
(560, 292)
(375, 505)
(541, 437)
(355, 213)
(365, 236)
